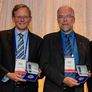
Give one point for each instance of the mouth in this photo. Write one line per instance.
(64, 24)
(21, 24)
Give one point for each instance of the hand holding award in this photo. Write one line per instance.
(27, 70)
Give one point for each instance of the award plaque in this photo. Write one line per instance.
(81, 79)
(82, 73)
(32, 71)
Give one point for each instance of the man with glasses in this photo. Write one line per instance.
(61, 52)
(18, 45)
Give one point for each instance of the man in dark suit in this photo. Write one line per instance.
(9, 51)
(61, 52)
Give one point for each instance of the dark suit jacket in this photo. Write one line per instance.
(7, 55)
(52, 60)
(89, 82)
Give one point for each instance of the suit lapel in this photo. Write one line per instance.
(58, 44)
(31, 45)
(79, 45)
(11, 45)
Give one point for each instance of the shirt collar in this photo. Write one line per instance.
(25, 32)
(71, 34)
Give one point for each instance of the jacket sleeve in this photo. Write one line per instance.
(3, 71)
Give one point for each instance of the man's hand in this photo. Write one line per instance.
(13, 77)
(70, 81)
(39, 72)
(89, 74)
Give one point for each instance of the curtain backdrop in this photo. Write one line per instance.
(44, 17)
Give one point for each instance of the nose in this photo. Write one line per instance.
(64, 19)
(22, 19)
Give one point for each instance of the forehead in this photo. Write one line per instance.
(65, 11)
(22, 11)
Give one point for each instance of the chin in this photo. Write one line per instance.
(21, 29)
(66, 28)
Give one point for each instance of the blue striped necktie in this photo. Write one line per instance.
(68, 47)
(68, 52)
(20, 49)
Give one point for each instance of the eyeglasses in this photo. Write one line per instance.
(21, 17)
(67, 16)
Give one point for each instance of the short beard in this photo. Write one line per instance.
(67, 31)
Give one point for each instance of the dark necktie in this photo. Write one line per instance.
(68, 47)
(20, 50)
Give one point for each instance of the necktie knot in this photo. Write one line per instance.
(20, 35)
(67, 36)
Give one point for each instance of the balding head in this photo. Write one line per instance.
(65, 18)
(66, 8)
